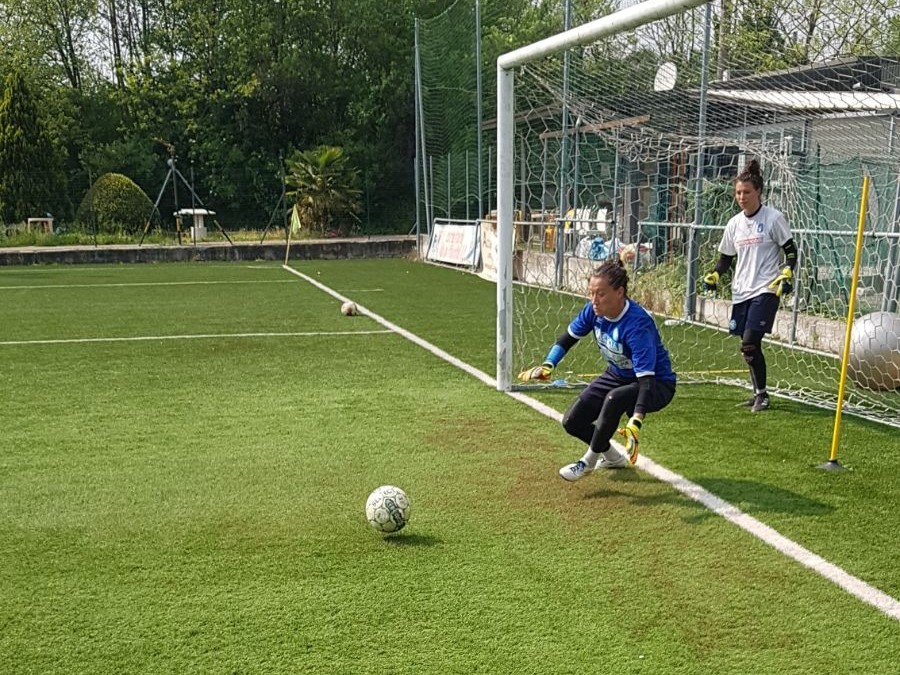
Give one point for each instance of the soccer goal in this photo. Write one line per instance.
(623, 136)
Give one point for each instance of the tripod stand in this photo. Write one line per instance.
(174, 174)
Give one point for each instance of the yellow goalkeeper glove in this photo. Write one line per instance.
(711, 282)
(632, 434)
(539, 373)
(783, 282)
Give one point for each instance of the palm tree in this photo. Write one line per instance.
(325, 190)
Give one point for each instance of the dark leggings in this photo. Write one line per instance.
(751, 348)
(595, 414)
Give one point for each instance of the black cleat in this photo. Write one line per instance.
(760, 403)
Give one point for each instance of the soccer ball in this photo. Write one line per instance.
(348, 308)
(875, 351)
(387, 509)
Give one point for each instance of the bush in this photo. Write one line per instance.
(114, 203)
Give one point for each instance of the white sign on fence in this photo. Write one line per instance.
(457, 244)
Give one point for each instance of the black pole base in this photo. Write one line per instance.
(831, 465)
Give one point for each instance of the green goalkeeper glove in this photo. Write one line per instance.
(783, 282)
(540, 373)
(632, 434)
(711, 282)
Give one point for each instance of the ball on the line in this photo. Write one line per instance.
(387, 509)
(348, 308)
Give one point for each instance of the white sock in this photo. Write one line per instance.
(612, 455)
(590, 458)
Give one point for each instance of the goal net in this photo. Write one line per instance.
(623, 137)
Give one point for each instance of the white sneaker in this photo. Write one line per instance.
(572, 472)
(617, 463)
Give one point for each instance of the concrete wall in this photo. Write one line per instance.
(318, 249)
(812, 332)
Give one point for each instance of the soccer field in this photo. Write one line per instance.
(186, 450)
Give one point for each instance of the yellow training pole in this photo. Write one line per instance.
(832, 463)
(287, 248)
(295, 223)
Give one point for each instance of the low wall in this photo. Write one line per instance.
(811, 332)
(309, 249)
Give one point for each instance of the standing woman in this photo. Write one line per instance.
(756, 236)
(638, 378)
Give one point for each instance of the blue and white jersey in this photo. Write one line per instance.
(630, 342)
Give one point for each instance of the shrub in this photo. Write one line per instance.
(114, 203)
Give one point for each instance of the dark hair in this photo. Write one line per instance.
(751, 174)
(613, 271)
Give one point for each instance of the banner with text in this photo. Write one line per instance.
(455, 243)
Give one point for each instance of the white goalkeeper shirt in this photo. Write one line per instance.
(756, 241)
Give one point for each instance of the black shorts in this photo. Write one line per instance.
(661, 393)
(755, 314)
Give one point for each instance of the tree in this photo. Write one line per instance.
(326, 188)
(114, 202)
(64, 31)
(30, 179)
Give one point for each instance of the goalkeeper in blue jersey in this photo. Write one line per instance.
(638, 378)
(756, 236)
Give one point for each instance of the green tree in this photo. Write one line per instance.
(30, 180)
(61, 29)
(326, 192)
(114, 202)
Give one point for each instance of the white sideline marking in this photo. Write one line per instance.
(151, 338)
(853, 585)
(144, 283)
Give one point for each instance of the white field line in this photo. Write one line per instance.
(143, 283)
(70, 269)
(208, 336)
(853, 585)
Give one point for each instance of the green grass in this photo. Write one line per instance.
(197, 505)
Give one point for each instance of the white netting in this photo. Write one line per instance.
(607, 148)
(608, 139)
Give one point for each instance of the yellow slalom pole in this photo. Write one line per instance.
(832, 464)
(294, 219)
(287, 248)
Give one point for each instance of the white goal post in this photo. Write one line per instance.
(622, 20)
(622, 137)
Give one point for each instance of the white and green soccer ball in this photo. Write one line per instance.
(387, 509)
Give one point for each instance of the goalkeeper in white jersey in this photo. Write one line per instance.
(638, 378)
(756, 236)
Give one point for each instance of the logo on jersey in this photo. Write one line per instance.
(612, 350)
(759, 226)
(748, 241)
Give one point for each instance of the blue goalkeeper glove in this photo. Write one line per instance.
(539, 373)
(632, 434)
(711, 282)
(783, 283)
